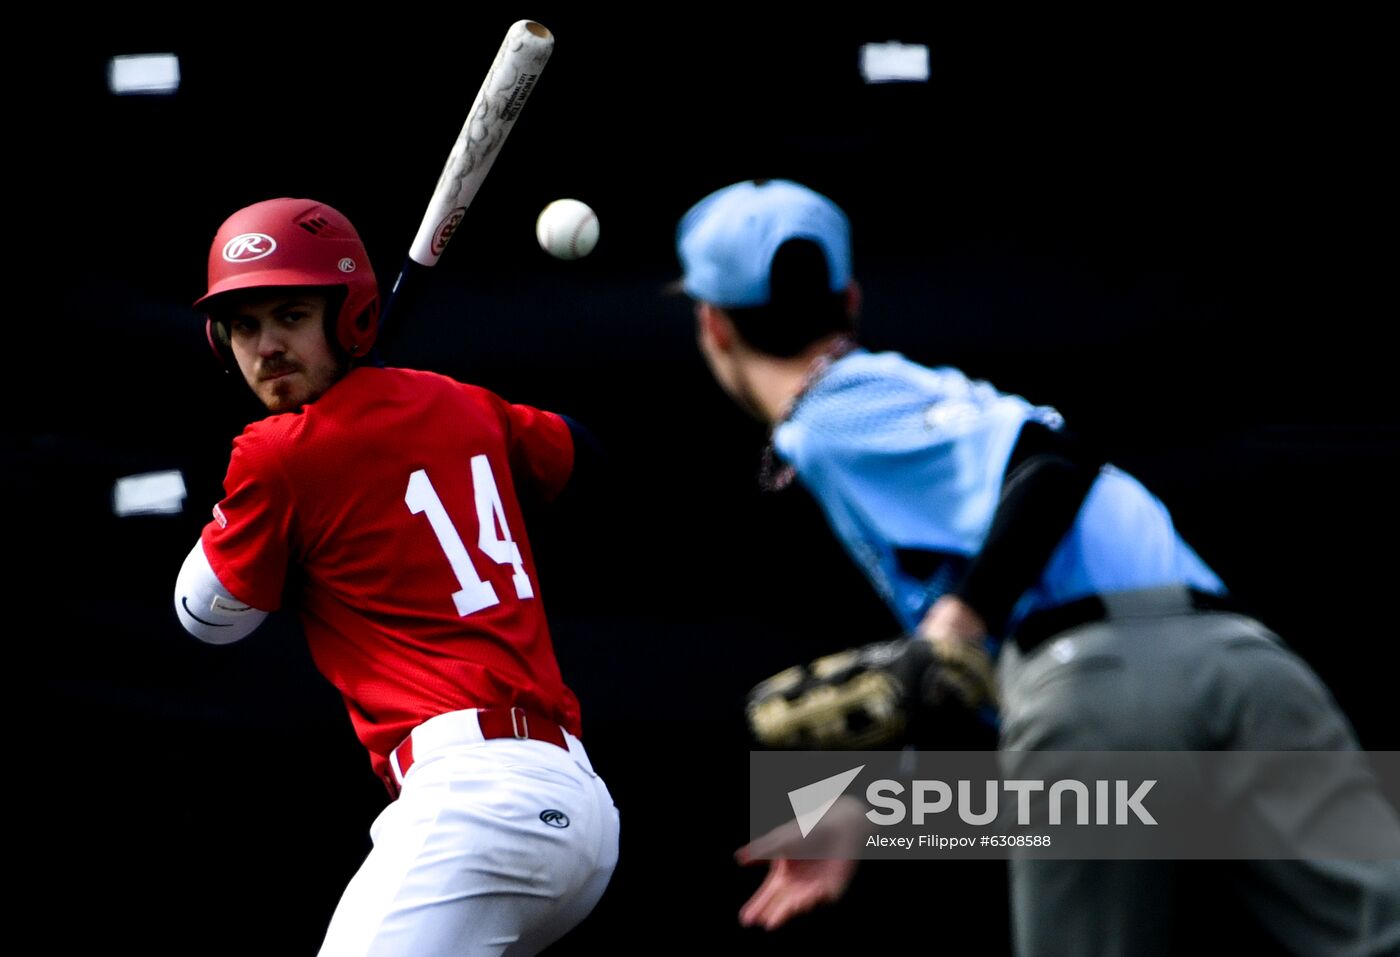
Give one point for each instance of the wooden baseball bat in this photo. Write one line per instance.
(503, 93)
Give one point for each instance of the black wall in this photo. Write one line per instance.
(1169, 227)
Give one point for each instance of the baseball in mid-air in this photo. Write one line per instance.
(567, 229)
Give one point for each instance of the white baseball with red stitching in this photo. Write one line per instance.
(567, 229)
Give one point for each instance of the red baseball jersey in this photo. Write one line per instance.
(386, 513)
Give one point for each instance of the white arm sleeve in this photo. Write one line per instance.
(206, 608)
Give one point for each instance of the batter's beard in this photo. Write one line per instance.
(278, 396)
(303, 387)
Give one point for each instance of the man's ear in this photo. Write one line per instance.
(715, 326)
(854, 300)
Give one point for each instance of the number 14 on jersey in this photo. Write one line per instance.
(475, 594)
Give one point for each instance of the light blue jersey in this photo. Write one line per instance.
(905, 457)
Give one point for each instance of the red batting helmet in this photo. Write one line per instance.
(297, 242)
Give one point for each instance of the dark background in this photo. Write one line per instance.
(1168, 226)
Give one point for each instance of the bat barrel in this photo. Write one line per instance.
(503, 93)
(507, 86)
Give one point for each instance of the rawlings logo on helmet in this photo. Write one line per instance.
(247, 247)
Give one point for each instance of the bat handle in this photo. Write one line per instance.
(403, 299)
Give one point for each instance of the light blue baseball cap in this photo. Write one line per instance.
(726, 242)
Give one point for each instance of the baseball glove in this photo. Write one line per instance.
(882, 694)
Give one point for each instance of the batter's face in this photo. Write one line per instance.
(279, 341)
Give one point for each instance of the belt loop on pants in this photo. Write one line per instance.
(468, 726)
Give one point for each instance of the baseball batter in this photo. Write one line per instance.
(382, 505)
(975, 514)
